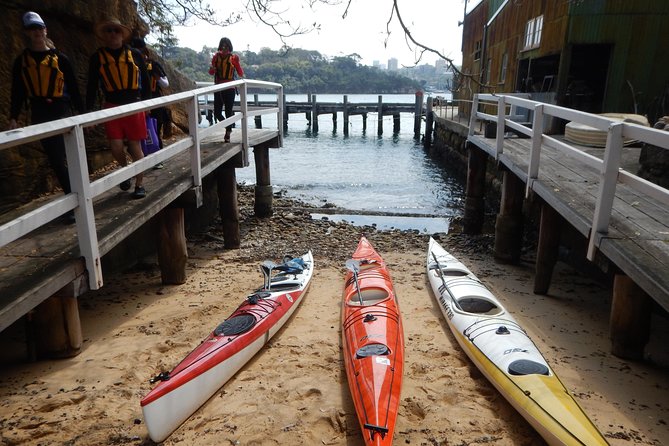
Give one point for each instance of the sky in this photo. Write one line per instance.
(432, 22)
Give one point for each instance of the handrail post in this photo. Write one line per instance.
(245, 123)
(75, 151)
(535, 151)
(195, 156)
(501, 124)
(472, 115)
(607, 185)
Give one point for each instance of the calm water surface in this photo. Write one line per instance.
(363, 171)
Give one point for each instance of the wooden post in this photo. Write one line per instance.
(54, 326)
(380, 117)
(509, 223)
(172, 251)
(257, 119)
(396, 123)
(472, 221)
(550, 228)
(364, 122)
(429, 124)
(285, 113)
(263, 191)
(345, 115)
(630, 318)
(418, 114)
(314, 114)
(228, 205)
(334, 121)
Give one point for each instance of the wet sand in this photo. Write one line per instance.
(294, 392)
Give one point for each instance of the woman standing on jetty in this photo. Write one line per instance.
(44, 77)
(224, 64)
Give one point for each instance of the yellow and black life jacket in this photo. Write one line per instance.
(43, 79)
(154, 79)
(224, 68)
(121, 74)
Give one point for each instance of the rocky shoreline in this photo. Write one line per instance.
(292, 230)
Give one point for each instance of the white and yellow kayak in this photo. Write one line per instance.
(501, 349)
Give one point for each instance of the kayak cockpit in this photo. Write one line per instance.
(368, 296)
(478, 305)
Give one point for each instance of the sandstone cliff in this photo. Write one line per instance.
(24, 171)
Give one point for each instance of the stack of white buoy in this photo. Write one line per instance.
(585, 135)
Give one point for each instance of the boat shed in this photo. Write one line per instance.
(591, 55)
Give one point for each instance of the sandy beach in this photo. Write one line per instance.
(294, 392)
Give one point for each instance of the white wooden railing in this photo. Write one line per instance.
(84, 191)
(608, 168)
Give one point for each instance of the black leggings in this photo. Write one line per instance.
(227, 98)
(54, 146)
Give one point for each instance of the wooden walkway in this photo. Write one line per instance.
(623, 217)
(37, 266)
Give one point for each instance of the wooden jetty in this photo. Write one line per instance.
(623, 217)
(45, 265)
(312, 108)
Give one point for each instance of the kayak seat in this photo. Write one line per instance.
(370, 296)
(478, 305)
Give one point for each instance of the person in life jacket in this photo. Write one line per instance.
(159, 81)
(120, 72)
(43, 77)
(224, 66)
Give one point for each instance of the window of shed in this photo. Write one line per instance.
(477, 50)
(533, 29)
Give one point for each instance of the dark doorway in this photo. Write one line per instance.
(588, 72)
(538, 75)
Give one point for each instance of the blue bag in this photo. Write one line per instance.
(151, 144)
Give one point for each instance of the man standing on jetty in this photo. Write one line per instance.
(121, 72)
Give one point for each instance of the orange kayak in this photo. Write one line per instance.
(373, 341)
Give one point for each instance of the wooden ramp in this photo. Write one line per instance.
(38, 265)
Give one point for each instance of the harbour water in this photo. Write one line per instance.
(388, 175)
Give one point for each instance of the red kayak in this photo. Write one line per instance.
(373, 340)
(231, 345)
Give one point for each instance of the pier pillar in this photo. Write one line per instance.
(418, 114)
(345, 115)
(630, 319)
(228, 205)
(54, 327)
(334, 121)
(509, 223)
(172, 250)
(379, 111)
(314, 114)
(550, 228)
(257, 119)
(472, 222)
(429, 124)
(263, 191)
(364, 122)
(396, 123)
(285, 113)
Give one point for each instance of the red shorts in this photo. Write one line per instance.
(131, 127)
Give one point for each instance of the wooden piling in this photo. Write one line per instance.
(314, 113)
(550, 228)
(630, 319)
(472, 222)
(429, 124)
(345, 115)
(396, 123)
(263, 191)
(228, 205)
(379, 111)
(172, 250)
(418, 114)
(509, 222)
(54, 327)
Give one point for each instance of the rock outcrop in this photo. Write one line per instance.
(24, 170)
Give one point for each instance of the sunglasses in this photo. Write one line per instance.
(113, 30)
